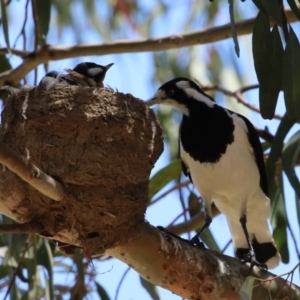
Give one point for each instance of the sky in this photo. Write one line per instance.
(139, 69)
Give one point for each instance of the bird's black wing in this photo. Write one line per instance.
(258, 153)
(185, 169)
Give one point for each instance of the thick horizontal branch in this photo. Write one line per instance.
(193, 272)
(30, 227)
(47, 53)
(31, 174)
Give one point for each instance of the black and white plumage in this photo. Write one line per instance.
(222, 155)
(88, 69)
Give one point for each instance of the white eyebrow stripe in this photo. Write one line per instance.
(94, 71)
(192, 93)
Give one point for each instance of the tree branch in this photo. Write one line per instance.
(29, 227)
(31, 174)
(47, 53)
(194, 223)
(193, 272)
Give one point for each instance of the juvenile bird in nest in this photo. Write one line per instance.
(222, 155)
(86, 74)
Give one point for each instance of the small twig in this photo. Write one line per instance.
(278, 276)
(120, 283)
(17, 269)
(175, 187)
(181, 214)
(196, 222)
(265, 134)
(23, 34)
(226, 246)
(238, 95)
(31, 174)
(36, 33)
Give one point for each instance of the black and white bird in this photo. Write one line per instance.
(88, 69)
(222, 155)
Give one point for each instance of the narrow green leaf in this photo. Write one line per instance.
(3, 272)
(4, 63)
(259, 5)
(5, 23)
(208, 238)
(284, 127)
(247, 288)
(194, 204)
(297, 200)
(278, 214)
(273, 9)
(294, 8)
(164, 176)
(265, 146)
(79, 264)
(270, 85)
(260, 43)
(279, 221)
(291, 76)
(150, 288)
(233, 28)
(101, 292)
(44, 13)
(45, 258)
(290, 155)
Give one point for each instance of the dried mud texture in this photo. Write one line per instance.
(101, 145)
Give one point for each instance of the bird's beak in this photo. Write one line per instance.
(152, 101)
(157, 99)
(108, 66)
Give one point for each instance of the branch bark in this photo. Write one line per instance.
(192, 272)
(47, 53)
(31, 173)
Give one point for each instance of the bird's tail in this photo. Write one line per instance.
(261, 238)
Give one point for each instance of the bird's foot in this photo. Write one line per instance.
(251, 258)
(195, 241)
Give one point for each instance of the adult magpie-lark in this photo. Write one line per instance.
(88, 69)
(222, 155)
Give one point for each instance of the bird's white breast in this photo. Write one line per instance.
(234, 179)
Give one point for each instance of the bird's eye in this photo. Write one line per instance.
(171, 92)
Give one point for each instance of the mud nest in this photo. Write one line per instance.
(101, 145)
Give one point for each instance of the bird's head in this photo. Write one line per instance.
(180, 93)
(93, 71)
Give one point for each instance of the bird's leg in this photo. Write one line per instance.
(195, 240)
(250, 257)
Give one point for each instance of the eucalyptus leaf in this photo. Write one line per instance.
(247, 288)
(284, 127)
(233, 28)
(291, 76)
(294, 8)
(150, 288)
(209, 240)
(279, 221)
(4, 20)
(101, 292)
(273, 9)
(260, 43)
(44, 14)
(290, 156)
(164, 176)
(45, 258)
